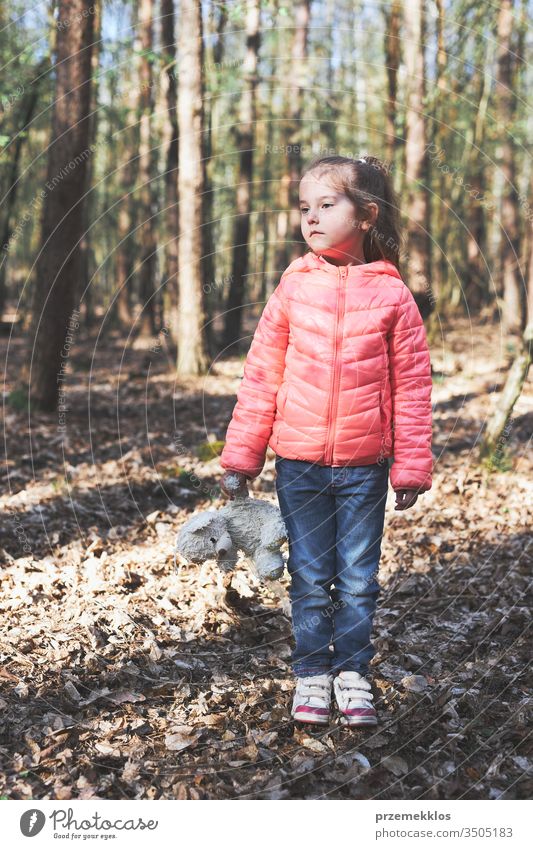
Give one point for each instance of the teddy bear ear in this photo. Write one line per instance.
(199, 522)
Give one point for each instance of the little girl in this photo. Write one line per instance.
(337, 381)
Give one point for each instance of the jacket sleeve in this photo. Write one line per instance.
(411, 385)
(250, 427)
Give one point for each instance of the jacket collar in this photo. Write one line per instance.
(311, 260)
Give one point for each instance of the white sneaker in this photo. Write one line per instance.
(312, 698)
(354, 698)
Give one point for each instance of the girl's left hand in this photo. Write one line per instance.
(405, 498)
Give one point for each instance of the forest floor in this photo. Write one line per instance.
(121, 678)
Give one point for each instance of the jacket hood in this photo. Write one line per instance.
(311, 261)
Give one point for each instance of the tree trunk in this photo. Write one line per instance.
(12, 182)
(499, 427)
(58, 266)
(513, 294)
(266, 183)
(529, 322)
(168, 47)
(245, 135)
(416, 174)
(440, 267)
(192, 353)
(392, 62)
(86, 290)
(126, 215)
(477, 276)
(290, 244)
(147, 198)
(212, 283)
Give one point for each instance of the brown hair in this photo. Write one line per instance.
(367, 180)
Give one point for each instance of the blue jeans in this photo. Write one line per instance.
(334, 517)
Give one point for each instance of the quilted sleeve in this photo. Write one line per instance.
(411, 384)
(250, 427)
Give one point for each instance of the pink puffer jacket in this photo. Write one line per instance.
(338, 373)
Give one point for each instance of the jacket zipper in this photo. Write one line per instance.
(332, 412)
(381, 424)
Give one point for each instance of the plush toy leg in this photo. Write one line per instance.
(269, 565)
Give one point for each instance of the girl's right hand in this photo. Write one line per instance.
(234, 484)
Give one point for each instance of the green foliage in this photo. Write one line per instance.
(18, 398)
(499, 460)
(236, 12)
(209, 450)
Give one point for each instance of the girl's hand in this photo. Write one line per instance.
(405, 498)
(234, 484)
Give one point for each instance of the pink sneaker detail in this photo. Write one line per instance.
(309, 709)
(354, 699)
(312, 698)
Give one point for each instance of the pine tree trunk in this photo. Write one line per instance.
(12, 179)
(212, 278)
(392, 62)
(192, 354)
(58, 266)
(290, 244)
(168, 46)
(476, 280)
(86, 289)
(126, 216)
(416, 173)
(499, 428)
(246, 144)
(147, 233)
(513, 294)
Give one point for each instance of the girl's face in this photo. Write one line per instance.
(330, 223)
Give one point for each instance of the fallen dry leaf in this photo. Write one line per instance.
(181, 737)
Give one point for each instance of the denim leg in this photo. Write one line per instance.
(361, 496)
(308, 509)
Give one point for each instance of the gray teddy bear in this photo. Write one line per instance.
(245, 524)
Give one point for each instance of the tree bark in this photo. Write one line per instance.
(9, 198)
(290, 244)
(498, 428)
(168, 47)
(477, 277)
(245, 135)
(192, 353)
(416, 172)
(392, 62)
(58, 267)
(513, 293)
(212, 283)
(87, 254)
(126, 215)
(147, 197)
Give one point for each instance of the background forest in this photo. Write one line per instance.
(149, 160)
